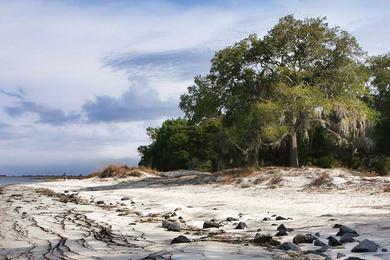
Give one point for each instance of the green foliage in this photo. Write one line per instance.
(305, 70)
(180, 144)
(380, 73)
(327, 161)
(304, 84)
(379, 164)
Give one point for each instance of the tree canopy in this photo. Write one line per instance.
(303, 85)
(302, 73)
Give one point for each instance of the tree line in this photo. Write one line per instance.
(304, 94)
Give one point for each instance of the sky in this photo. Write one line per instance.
(81, 80)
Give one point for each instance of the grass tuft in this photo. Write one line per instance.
(123, 171)
(321, 180)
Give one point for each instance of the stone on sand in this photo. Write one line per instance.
(346, 230)
(286, 246)
(265, 240)
(174, 226)
(332, 241)
(211, 224)
(365, 246)
(241, 225)
(180, 239)
(303, 239)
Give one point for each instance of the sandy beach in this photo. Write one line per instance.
(124, 218)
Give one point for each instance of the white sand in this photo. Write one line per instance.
(54, 229)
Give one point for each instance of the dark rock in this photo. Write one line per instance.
(241, 225)
(347, 238)
(231, 219)
(317, 252)
(174, 226)
(326, 215)
(344, 230)
(265, 240)
(273, 216)
(280, 218)
(258, 230)
(384, 249)
(177, 209)
(337, 225)
(165, 223)
(289, 246)
(266, 219)
(167, 215)
(354, 258)
(281, 232)
(322, 249)
(365, 246)
(317, 234)
(125, 198)
(339, 255)
(303, 239)
(100, 202)
(173, 214)
(180, 239)
(332, 241)
(318, 242)
(281, 227)
(274, 224)
(211, 224)
(180, 217)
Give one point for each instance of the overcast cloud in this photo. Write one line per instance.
(81, 80)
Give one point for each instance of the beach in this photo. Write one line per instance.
(131, 218)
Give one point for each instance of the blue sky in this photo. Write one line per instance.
(81, 80)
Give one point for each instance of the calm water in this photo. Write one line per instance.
(15, 180)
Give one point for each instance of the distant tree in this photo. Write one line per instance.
(168, 150)
(301, 74)
(181, 144)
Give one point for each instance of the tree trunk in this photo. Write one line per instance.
(293, 150)
(351, 154)
(255, 157)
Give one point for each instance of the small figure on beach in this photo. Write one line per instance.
(64, 176)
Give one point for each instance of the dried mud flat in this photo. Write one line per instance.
(137, 218)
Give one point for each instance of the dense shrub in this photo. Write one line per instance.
(380, 164)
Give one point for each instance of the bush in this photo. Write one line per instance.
(327, 161)
(122, 171)
(380, 164)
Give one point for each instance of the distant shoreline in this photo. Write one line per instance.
(12, 180)
(45, 176)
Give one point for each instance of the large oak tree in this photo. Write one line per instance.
(300, 74)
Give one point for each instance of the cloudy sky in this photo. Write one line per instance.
(81, 80)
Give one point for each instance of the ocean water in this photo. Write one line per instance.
(16, 180)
